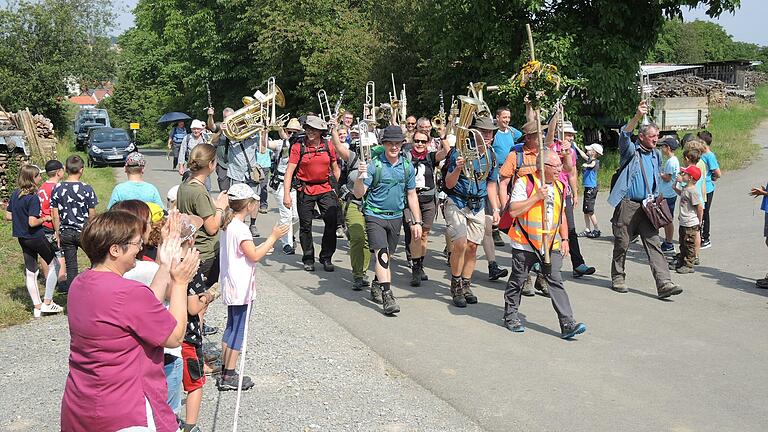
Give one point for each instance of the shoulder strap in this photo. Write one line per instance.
(245, 155)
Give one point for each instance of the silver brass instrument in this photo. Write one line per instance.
(325, 107)
(403, 106)
(469, 147)
(645, 89)
(439, 120)
(394, 104)
(364, 145)
(369, 107)
(338, 111)
(255, 114)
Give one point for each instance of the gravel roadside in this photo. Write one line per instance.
(310, 375)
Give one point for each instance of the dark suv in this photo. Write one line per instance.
(108, 146)
(82, 134)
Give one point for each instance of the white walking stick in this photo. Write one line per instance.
(245, 349)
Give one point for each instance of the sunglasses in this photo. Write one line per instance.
(411, 124)
(420, 141)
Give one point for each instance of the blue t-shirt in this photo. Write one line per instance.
(710, 159)
(764, 204)
(503, 143)
(22, 208)
(671, 167)
(638, 190)
(177, 135)
(590, 175)
(471, 188)
(264, 159)
(138, 190)
(389, 194)
(73, 200)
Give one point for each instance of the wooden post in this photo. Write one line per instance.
(544, 225)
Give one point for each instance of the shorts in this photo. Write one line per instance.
(428, 212)
(590, 196)
(194, 375)
(765, 226)
(234, 332)
(671, 204)
(462, 223)
(383, 233)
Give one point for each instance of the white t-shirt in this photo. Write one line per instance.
(237, 273)
(144, 272)
(519, 193)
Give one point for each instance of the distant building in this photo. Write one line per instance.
(731, 72)
(84, 101)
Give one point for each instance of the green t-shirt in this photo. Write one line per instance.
(193, 199)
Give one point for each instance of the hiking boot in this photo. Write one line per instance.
(572, 329)
(469, 296)
(582, 270)
(541, 285)
(495, 272)
(288, 250)
(667, 247)
(328, 266)
(496, 234)
(619, 286)
(528, 287)
(376, 292)
(762, 283)
(263, 209)
(457, 292)
(359, 283)
(685, 270)
(230, 382)
(514, 325)
(669, 289)
(310, 267)
(388, 302)
(416, 274)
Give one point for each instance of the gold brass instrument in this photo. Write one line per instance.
(384, 114)
(452, 114)
(325, 107)
(256, 114)
(645, 89)
(394, 104)
(369, 107)
(469, 147)
(439, 120)
(475, 90)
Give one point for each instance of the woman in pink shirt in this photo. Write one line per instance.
(118, 328)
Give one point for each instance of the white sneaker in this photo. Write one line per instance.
(51, 308)
(36, 312)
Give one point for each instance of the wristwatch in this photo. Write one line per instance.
(417, 223)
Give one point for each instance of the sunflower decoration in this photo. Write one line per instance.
(538, 82)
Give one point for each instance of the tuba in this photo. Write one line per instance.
(468, 141)
(475, 90)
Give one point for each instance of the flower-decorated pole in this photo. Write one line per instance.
(547, 264)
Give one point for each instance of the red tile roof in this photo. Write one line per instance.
(83, 100)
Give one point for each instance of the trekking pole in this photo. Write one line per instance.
(242, 355)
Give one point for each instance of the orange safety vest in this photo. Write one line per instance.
(531, 221)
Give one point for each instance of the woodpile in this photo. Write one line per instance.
(689, 86)
(19, 131)
(754, 79)
(43, 126)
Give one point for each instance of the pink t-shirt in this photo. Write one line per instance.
(117, 328)
(563, 177)
(237, 275)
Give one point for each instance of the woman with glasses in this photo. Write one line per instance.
(24, 213)
(118, 328)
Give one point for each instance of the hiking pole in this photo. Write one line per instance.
(546, 266)
(242, 355)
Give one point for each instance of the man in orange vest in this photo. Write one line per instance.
(528, 203)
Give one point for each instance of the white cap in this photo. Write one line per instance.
(172, 192)
(241, 191)
(596, 147)
(197, 124)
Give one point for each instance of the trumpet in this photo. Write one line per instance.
(369, 107)
(469, 146)
(325, 107)
(338, 111)
(364, 145)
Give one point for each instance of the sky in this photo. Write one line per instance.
(746, 25)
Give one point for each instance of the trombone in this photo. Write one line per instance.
(325, 107)
(645, 89)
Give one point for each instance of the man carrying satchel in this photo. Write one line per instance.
(627, 195)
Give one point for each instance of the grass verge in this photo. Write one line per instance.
(731, 129)
(15, 305)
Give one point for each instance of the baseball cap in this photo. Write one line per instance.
(135, 159)
(241, 191)
(596, 147)
(156, 212)
(53, 165)
(669, 141)
(693, 171)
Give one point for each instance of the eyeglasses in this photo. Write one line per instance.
(558, 166)
(139, 243)
(420, 141)
(410, 124)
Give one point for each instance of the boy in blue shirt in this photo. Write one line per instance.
(712, 174)
(668, 145)
(591, 168)
(135, 187)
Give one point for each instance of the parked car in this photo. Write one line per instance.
(82, 134)
(108, 146)
(99, 116)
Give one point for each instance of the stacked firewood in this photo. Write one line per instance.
(43, 126)
(754, 79)
(686, 86)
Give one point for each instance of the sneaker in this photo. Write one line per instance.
(376, 292)
(669, 289)
(497, 240)
(36, 312)
(667, 247)
(619, 286)
(595, 234)
(328, 266)
(514, 325)
(495, 272)
(762, 283)
(541, 285)
(212, 368)
(582, 270)
(359, 283)
(254, 231)
(230, 382)
(209, 330)
(572, 329)
(685, 270)
(585, 233)
(263, 209)
(457, 293)
(469, 296)
(339, 232)
(288, 250)
(388, 303)
(310, 267)
(528, 287)
(51, 308)
(706, 244)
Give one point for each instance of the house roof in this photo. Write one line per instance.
(101, 94)
(655, 69)
(83, 100)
